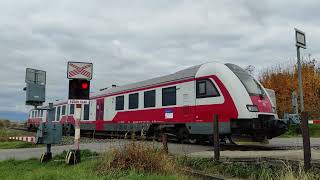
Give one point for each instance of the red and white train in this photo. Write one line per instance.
(182, 104)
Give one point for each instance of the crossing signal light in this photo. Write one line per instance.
(84, 85)
(79, 89)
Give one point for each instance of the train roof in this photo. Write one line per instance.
(184, 74)
(180, 75)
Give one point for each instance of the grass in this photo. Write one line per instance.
(5, 133)
(295, 130)
(5, 143)
(87, 169)
(142, 161)
(16, 144)
(248, 171)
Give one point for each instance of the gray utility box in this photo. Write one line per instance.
(35, 94)
(49, 133)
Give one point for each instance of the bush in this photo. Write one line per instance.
(1, 124)
(138, 156)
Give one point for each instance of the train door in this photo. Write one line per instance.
(188, 101)
(208, 100)
(99, 114)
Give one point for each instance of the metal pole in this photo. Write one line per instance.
(216, 138)
(306, 140)
(300, 80)
(165, 142)
(48, 148)
(50, 119)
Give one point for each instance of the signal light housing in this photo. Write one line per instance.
(79, 89)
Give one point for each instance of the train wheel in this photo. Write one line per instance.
(231, 140)
(184, 136)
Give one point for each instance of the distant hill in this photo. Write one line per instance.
(13, 116)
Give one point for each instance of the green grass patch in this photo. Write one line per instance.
(87, 169)
(5, 143)
(16, 144)
(5, 133)
(295, 131)
(248, 171)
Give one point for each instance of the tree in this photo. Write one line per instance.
(284, 80)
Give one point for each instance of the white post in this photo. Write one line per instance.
(77, 126)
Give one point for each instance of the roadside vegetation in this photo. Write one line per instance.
(6, 132)
(92, 167)
(261, 171)
(138, 160)
(295, 130)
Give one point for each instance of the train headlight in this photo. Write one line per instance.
(252, 108)
(274, 110)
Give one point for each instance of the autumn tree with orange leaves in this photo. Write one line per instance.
(284, 80)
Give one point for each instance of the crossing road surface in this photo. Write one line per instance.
(182, 149)
(293, 142)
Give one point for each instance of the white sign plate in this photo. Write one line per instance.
(79, 70)
(78, 101)
(300, 39)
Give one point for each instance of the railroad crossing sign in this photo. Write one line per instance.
(79, 70)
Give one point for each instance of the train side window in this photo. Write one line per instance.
(41, 113)
(133, 101)
(86, 112)
(54, 114)
(36, 114)
(169, 96)
(32, 114)
(64, 110)
(205, 88)
(58, 113)
(71, 109)
(150, 98)
(120, 103)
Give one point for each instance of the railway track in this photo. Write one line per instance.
(91, 137)
(21, 129)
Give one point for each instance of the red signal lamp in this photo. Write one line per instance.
(84, 85)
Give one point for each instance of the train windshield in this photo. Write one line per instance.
(252, 86)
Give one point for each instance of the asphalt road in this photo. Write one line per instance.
(293, 142)
(181, 149)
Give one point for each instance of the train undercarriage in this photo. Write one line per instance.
(255, 130)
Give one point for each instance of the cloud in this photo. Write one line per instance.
(129, 41)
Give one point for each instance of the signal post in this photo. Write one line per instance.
(79, 75)
(47, 133)
(301, 43)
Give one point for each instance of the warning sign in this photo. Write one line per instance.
(79, 70)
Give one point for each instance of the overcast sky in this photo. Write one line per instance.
(129, 41)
